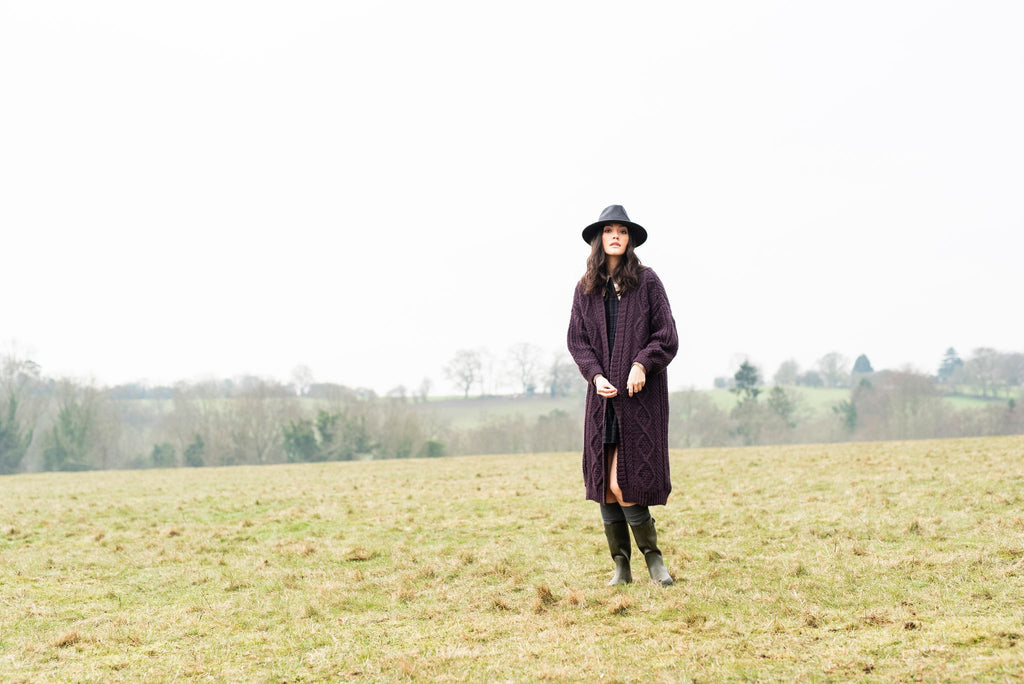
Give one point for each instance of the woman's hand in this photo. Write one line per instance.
(604, 388)
(637, 379)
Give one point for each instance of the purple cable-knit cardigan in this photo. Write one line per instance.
(645, 332)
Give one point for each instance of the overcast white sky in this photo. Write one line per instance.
(196, 188)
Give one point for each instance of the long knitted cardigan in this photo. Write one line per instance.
(645, 333)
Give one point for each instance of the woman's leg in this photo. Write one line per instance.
(614, 492)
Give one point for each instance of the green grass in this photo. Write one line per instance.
(469, 413)
(815, 399)
(475, 411)
(961, 401)
(874, 562)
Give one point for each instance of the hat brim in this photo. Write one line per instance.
(637, 233)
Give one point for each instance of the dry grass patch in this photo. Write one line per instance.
(618, 605)
(360, 553)
(69, 639)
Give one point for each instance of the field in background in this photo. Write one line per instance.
(857, 561)
(468, 413)
(814, 399)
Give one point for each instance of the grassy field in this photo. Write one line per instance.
(468, 413)
(873, 562)
(815, 399)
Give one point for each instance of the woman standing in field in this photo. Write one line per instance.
(622, 336)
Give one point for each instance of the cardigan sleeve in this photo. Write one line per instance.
(663, 344)
(579, 341)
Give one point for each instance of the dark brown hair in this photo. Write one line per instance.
(627, 273)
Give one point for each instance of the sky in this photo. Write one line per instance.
(198, 189)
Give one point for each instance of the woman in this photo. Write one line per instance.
(622, 336)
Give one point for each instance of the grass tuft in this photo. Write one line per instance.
(544, 595)
(695, 620)
(875, 619)
(360, 553)
(618, 605)
(407, 667)
(69, 639)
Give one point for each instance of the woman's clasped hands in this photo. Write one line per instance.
(635, 383)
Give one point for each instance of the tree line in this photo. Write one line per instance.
(525, 369)
(986, 373)
(880, 405)
(62, 424)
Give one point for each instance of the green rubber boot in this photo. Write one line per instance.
(621, 548)
(647, 541)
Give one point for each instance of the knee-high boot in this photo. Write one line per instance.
(621, 548)
(647, 541)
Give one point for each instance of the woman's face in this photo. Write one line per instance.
(615, 238)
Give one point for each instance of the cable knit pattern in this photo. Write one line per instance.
(646, 332)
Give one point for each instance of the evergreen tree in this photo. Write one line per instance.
(783, 405)
(847, 412)
(68, 441)
(747, 413)
(300, 442)
(14, 440)
(951, 362)
(163, 455)
(747, 378)
(862, 365)
(194, 453)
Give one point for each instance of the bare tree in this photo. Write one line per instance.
(563, 376)
(491, 377)
(107, 432)
(199, 415)
(84, 431)
(832, 367)
(423, 391)
(524, 365)
(19, 411)
(397, 393)
(1010, 370)
(980, 370)
(302, 378)
(788, 372)
(254, 419)
(465, 370)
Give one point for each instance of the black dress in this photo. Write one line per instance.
(611, 316)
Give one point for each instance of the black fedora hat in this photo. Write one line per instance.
(616, 213)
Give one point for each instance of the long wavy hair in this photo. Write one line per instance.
(627, 273)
